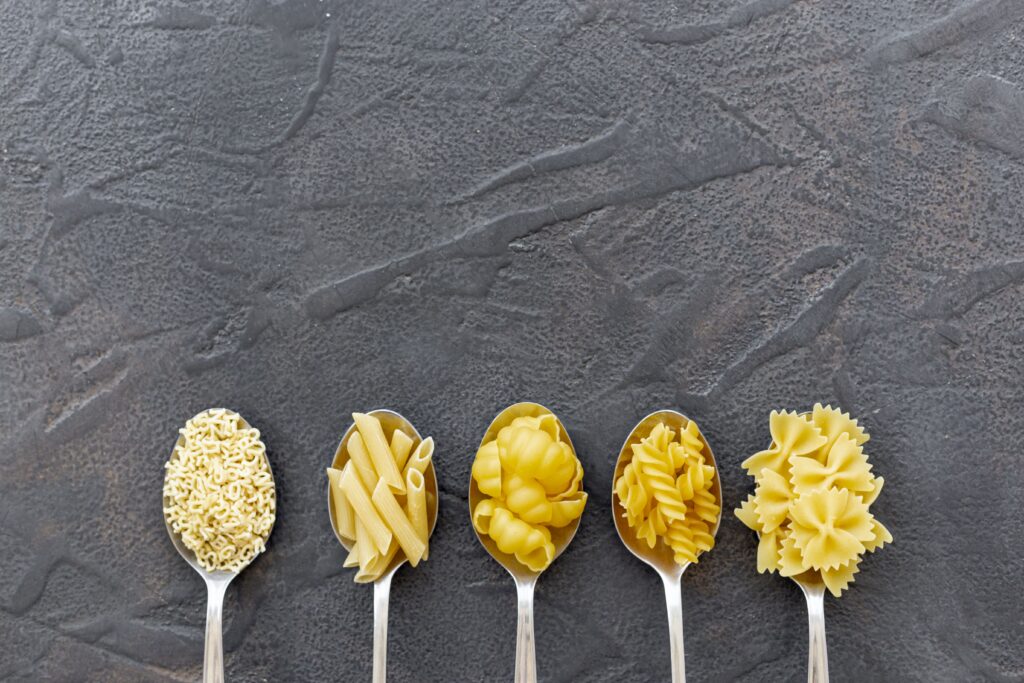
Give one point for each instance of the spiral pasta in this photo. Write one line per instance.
(219, 492)
(532, 482)
(666, 492)
(811, 503)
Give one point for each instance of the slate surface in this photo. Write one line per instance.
(302, 209)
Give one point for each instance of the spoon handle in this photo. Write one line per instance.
(526, 656)
(381, 594)
(817, 658)
(213, 652)
(674, 602)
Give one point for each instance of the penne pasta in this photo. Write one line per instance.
(420, 458)
(353, 557)
(366, 552)
(401, 446)
(380, 452)
(366, 513)
(359, 456)
(412, 545)
(416, 506)
(377, 566)
(344, 515)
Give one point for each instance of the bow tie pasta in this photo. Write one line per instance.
(811, 503)
(532, 482)
(666, 492)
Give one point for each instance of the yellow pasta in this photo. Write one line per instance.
(532, 483)
(380, 452)
(416, 505)
(394, 516)
(401, 446)
(813, 492)
(666, 492)
(370, 520)
(344, 515)
(377, 518)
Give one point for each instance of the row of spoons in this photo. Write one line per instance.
(659, 558)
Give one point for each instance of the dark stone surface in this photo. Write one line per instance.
(301, 209)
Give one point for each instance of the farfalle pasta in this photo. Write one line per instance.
(532, 482)
(814, 488)
(666, 492)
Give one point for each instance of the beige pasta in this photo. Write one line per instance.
(219, 492)
(394, 516)
(401, 446)
(383, 459)
(379, 499)
(344, 515)
(370, 519)
(416, 504)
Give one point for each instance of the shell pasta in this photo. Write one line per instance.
(379, 499)
(532, 483)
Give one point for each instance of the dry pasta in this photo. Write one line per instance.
(666, 492)
(379, 498)
(532, 482)
(219, 492)
(811, 502)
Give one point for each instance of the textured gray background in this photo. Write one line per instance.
(306, 208)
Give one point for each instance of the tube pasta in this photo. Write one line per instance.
(665, 492)
(380, 452)
(532, 483)
(416, 504)
(401, 446)
(813, 492)
(383, 519)
(344, 515)
(394, 516)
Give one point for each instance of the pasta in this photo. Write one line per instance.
(532, 483)
(379, 499)
(219, 492)
(814, 488)
(666, 492)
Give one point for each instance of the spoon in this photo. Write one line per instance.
(660, 557)
(216, 586)
(525, 578)
(813, 589)
(389, 421)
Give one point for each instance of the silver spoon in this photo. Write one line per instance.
(216, 586)
(525, 578)
(813, 589)
(660, 557)
(389, 421)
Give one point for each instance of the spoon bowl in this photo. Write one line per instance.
(217, 581)
(660, 557)
(559, 537)
(389, 421)
(525, 578)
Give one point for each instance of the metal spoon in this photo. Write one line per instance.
(216, 586)
(526, 579)
(660, 557)
(813, 589)
(390, 421)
